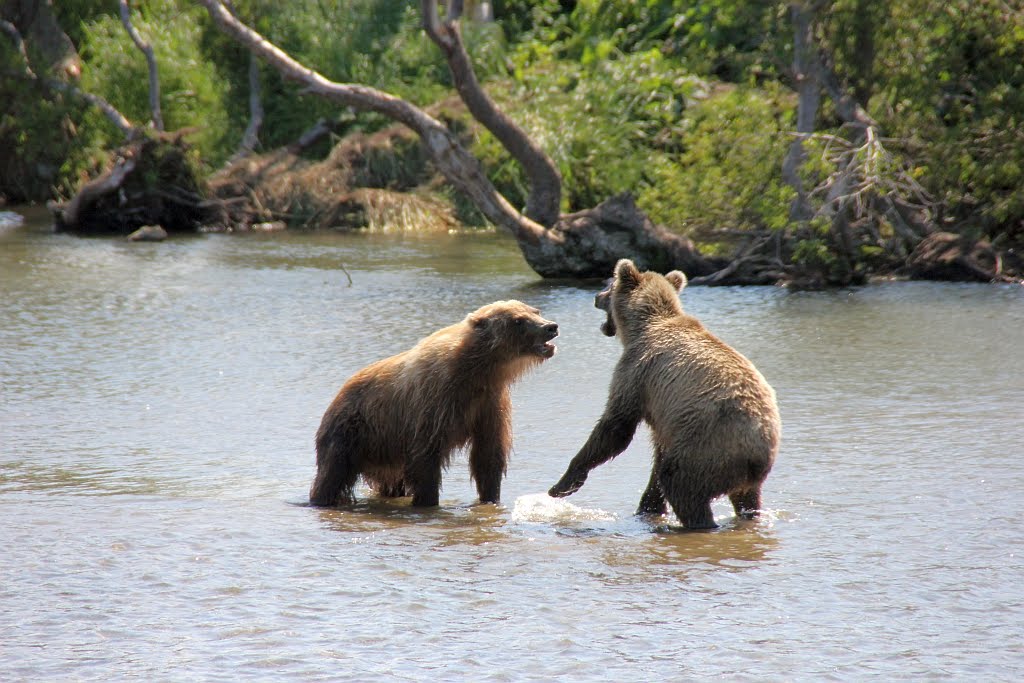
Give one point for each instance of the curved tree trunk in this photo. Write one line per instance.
(460, 167)
(544, 199)
(585, 244)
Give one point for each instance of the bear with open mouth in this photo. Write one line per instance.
(714, 421)
(396, 422)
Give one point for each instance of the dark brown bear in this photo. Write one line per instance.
(397, 421)
(713, 417)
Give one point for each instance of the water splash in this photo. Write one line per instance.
(540, 507)
(10, 219)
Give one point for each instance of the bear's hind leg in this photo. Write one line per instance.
(746, 503)
(692, 506)
(426, 494)
(696, 515)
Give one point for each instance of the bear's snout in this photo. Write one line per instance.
(548, 331)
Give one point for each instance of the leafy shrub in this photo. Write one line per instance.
(599, 123)
(727, 175)
(193, 94)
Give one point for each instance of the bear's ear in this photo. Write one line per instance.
(478, 322)
(677, 279)
(626, 273)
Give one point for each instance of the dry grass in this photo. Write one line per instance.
(379, 182)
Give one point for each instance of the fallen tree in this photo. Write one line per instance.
(152, 181)
(585, 244)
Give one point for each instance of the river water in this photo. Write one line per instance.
(157, 410)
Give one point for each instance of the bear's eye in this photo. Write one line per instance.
(520, 322)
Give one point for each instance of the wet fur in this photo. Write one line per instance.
(396, 422)
(713, 417)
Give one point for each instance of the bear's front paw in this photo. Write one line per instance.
(569, 484)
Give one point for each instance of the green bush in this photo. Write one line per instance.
(193, 94)
(727, 175)
(600, 123)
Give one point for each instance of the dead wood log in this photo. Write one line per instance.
(948, 256)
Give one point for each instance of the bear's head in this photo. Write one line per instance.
(634, 297)
(512, 330)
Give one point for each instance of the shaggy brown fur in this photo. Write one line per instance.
(397, 421)
(713, 417)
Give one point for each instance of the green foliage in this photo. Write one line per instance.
(815, 255)
(948, 81)
(727, 39)
(47, 145)
(370, 42)
(727, 172)
(192, 92)
(599, 122)
(75, 15)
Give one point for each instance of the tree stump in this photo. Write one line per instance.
(152, 181)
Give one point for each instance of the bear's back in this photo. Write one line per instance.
(694, 383)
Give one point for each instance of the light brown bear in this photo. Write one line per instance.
(713, 417)
(397, 421)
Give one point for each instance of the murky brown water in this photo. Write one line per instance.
(157, 410)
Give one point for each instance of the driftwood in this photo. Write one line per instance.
(948, 256)
(72, 215)
(588, 243)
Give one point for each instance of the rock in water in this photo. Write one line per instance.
(149, 233)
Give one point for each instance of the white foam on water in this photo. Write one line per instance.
(540, 507)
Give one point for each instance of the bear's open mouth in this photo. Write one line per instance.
(545, 349)
(603, 301)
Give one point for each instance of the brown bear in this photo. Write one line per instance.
(397, 421)
(713, 417)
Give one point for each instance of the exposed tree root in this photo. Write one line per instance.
(152, 182)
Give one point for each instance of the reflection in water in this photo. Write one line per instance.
(734, 546)
(467, 525)
(157, 410)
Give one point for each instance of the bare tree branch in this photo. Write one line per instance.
(96, 188)
(147, 50)
(543, 203)
(115, 117)
(251, 136)
(805, 71)
(451, 158)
